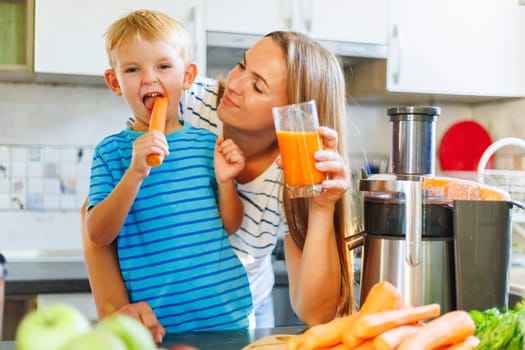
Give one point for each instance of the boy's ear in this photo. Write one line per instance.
(112, 82)
(190, 74)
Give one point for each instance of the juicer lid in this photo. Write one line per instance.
(434, 189)
(413, 113)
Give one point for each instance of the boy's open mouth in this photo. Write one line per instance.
(149, 99)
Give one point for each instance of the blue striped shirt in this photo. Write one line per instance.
(173, 250)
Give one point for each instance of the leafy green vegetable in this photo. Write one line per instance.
(500, 329)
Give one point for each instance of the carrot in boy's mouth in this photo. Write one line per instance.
(157, 122)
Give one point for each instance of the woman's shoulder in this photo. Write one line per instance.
(204, 91)
(198, 105)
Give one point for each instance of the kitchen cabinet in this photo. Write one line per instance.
(444, 49)
(71, 41)
(335, 23)
(255, 17)
(16, 35)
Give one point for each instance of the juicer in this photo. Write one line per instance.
(438, 240)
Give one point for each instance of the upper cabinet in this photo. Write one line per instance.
(465, 50)
(347, 21)
(409, 51)
(16, 36)
(71, 40)
(254, 17)
(348, 27)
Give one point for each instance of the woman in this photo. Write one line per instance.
(280, 69)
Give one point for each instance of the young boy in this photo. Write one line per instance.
(173, 248)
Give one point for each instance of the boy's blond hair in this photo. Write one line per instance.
(146, 25)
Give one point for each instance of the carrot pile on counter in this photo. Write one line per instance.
(384, 322)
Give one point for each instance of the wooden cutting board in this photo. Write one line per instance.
(270, 342)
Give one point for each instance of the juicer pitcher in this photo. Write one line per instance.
(482, 247)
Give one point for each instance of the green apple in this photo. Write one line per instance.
(50, 327)
(132, 332)
(96, 339)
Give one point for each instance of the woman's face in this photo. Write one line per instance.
(253, 87)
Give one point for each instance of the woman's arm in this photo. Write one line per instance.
(107, 285)
(103, 271)
(314, 273)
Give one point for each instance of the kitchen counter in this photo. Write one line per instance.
(223, 340)
(28, 278)
(43, 277)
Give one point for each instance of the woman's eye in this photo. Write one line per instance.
(241, 65)
(257, 88)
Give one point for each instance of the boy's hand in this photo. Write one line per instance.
(152, 142)
(228, 160)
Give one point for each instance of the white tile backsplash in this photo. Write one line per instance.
(58, 114)
(50, 231)
(50, 114)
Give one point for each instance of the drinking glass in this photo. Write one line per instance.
(297, 127)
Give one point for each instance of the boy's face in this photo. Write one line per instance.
(145, 69)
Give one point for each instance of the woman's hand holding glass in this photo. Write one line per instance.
(334, 166)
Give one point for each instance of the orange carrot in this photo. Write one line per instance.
(372, 325)
(157, 122)
(327, 334)
(391, 339)
(382, 296)
(367, 345)
(468, 344)
(295, 342)
(339, 346)
(450, 328)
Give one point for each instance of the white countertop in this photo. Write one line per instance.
(36, 255)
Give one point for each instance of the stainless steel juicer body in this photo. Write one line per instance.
(433, 249)
(403, 258)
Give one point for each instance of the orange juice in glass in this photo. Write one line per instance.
(297, 134)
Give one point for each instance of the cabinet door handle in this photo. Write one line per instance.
(195, 26)
(395, 57)
(288, 14)
(308, 15)
(295, 16)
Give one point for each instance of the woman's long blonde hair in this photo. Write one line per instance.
(314, 73)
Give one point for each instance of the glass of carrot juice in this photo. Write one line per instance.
(297, 127)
